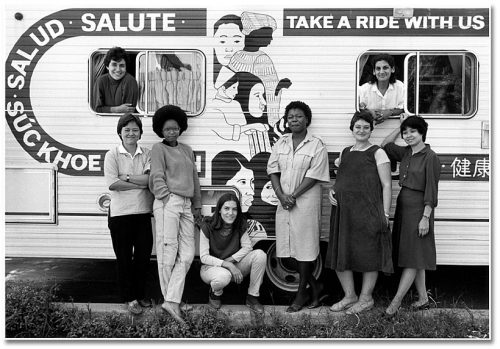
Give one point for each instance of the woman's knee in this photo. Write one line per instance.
(221, 279)
(259, 257)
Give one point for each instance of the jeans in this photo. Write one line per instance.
(253, 263)
(175, 244)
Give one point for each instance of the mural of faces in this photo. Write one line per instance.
(243, 180)
(257, 102)
(268, 195)
(231, 91)
(229, 39)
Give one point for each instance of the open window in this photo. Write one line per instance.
(440, 84)
(163, 76)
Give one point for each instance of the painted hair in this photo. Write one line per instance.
(383, 57)
(125, 119)
(169, 112)
(299, 105)
(116, 54)
(228, 19)
(239, 224)
(361, 115)
(417, 123)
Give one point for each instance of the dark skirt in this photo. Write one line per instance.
(410, 250)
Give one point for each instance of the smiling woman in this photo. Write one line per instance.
(117, 91)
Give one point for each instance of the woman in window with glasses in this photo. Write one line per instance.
(175, 185)
(414, 247)
(383, 96)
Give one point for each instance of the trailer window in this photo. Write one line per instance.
(171, 77)
(437, 83)
(443, 84)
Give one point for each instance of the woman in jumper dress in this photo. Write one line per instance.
(360, 238)
(413, 231)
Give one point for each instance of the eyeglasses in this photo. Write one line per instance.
(171, 129)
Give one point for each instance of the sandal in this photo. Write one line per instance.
(343, 304)
(360, 307)
(420, 305)
(391, 310)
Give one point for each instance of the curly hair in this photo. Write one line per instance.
(169, 112)
(124, 120)
(299, 105)
(416, 122)
(390, 60)
(361, 115)
(116, 54)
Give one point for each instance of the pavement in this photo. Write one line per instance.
(240, 315)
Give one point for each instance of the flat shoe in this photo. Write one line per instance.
(343, 305)
(424, 306)
(360, 307)
(294, 307)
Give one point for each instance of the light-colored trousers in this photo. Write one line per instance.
(174, 244)
(253, 263)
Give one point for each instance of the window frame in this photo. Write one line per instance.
(138, 54)
(474, 79)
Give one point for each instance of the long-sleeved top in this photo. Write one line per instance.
(173, 170)
(419, 171)
(109, 92)
(207, 259)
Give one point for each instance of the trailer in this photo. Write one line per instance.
(234, 85)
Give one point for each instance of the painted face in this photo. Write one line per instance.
(229, 212)
(297, 121)
(411, 136)
(361, 130)
(231, 91)
(171, 131)
(256, 101)
(229, 39)
(383, 71)
(268, 195)
(130, 134)
(243, 180)
(116, 69)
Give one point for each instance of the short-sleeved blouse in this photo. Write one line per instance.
(373, 99)
(419, 171)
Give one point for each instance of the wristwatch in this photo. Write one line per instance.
(128, 178)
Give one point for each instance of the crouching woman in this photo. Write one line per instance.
(226, 253)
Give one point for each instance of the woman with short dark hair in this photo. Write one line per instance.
(176, 187)
(413, 230)
(126, 170)
(117, 91)
(360, 239)
(297, 165)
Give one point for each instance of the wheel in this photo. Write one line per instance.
(282, 272)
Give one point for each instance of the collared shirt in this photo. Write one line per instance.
(419, 171)
(394, 96)
(119, 162)
(297, 229)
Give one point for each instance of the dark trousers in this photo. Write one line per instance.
(132, 239)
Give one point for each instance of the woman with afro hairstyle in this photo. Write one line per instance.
(175, 185)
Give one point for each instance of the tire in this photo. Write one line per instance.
(282, 272)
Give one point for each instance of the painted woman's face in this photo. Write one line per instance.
(229, 39)
(256, 101)
(268, 195)
(231, 91)
(243, 180)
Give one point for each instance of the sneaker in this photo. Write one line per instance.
(213, 300)
(134, 307)
(145, 303)
(253, 303)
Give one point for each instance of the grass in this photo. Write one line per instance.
(31, 312)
